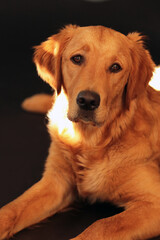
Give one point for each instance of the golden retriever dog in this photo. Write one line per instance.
(105, 134)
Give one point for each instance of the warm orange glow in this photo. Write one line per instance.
(155, 81)
(58, 118)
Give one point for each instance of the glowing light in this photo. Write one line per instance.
(155, 81)
(56, 49)
(58, 118)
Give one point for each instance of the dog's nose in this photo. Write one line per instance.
(88, 100)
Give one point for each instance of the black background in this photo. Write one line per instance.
(23, 136)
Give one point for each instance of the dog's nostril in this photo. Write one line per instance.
(81, 101)
(93, 104)
(88, 100)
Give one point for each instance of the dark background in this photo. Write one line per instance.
(23, 136)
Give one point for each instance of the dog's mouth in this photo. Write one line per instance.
(85, 117)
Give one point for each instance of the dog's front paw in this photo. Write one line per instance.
(7, 223)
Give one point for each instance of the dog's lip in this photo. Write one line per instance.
(84, 120)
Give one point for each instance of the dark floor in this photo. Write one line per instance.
(24, 139)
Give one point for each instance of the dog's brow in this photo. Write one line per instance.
(84, 47)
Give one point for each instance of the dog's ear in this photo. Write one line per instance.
(141, 69)
(47, 57)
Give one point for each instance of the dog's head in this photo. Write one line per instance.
(101, 70)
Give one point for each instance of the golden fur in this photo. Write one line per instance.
(112, 155)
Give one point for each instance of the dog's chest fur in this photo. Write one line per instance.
(103, 173)
(88, 172)
(95, 174)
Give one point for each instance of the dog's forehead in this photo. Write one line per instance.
(100, 37)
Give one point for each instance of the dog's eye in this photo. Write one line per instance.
(115, 68)
(77, 59)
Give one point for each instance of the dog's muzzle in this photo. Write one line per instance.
(88, 102)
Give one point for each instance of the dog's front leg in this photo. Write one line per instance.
(51, 194)
(140, 221)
